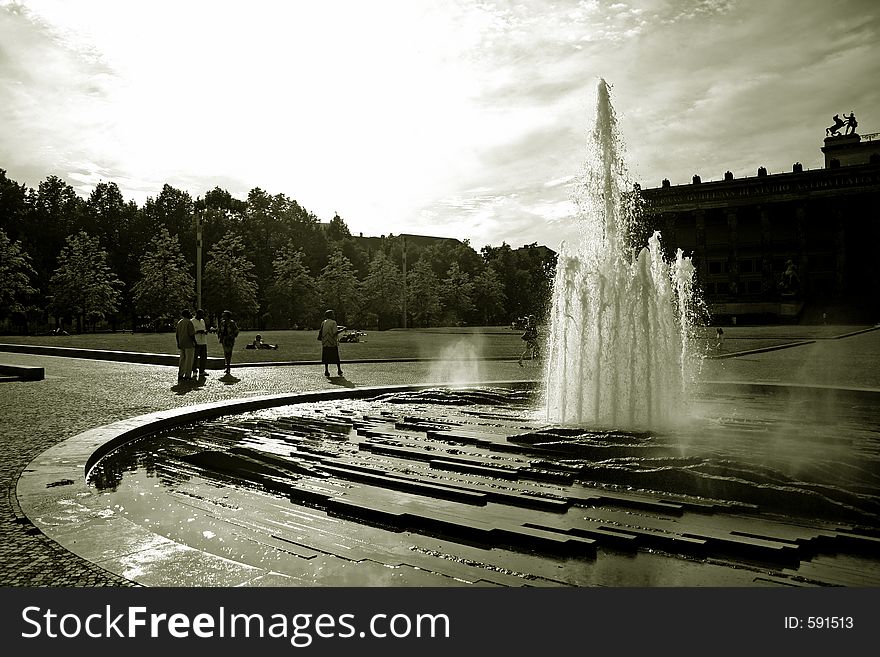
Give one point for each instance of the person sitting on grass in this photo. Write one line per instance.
(259, 344)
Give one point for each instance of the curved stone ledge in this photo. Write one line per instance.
(54, 495)
(50, 488)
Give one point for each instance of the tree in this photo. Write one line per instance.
(443, 253)
(13, 207)
(15, 277)
(456, 295)
(305, 231)
(294, 293)
(267, 226)
(383, 291)
(356, 256)
(229, 281)
(422, 294)
(165, 285)
(262, 232)
(489, 297)
(338, 287)
(337, 229)
(219, 213)
(112, 220)
(527, 276)
(174, 209)
(57, 213)
(83, 285)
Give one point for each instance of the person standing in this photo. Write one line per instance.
(329, 337)
(201, 354)
(227, 331)
(186, 344)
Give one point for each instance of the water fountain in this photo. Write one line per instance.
(608, 474)
(619, 320)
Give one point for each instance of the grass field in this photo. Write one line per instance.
(482, 342)
(469, 342)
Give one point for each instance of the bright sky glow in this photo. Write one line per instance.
(445, 118)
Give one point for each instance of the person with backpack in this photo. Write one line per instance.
(227, 331)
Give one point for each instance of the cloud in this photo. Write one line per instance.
(52, 94)
(394, 113)
(736, 96)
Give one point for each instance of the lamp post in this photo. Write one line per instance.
(403, 238)
(198, 259)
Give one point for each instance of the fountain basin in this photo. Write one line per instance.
(405, 486)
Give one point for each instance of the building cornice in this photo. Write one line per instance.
(773, 188)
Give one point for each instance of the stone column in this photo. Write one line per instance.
(768, 281)
(732, 253)
(801, 261)
(840, 283)
(701, 262)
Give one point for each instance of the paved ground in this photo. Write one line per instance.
(80, 394)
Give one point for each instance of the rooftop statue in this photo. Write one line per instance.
(834, 130)
(851, 123)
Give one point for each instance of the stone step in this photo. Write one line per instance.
(407, 484)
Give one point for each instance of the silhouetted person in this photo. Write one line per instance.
(719, 338)
(227, 331)
(329, 337)
(201, 354)
(530, 335)
(851, 123)
(186, 343)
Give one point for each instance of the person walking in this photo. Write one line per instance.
(186, 344)
(530, 335)
(227, 331)
(329, 337)
(201, 354)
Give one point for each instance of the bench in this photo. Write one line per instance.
(23, 372)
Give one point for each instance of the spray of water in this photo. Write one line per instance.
(459, 363)
(617, 351)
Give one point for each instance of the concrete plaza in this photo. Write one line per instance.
(79, 394)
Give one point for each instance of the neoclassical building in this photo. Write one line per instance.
(784, 247)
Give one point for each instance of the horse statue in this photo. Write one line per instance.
(834, 130)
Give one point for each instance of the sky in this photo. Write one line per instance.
(452, 118)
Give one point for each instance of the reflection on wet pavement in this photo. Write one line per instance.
(443, 487)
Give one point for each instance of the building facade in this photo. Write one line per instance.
(801, 246)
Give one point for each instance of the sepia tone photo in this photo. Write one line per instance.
(440, 294)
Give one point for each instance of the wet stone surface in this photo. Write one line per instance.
(79, 394)
(469, 487)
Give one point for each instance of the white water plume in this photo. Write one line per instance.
(617, 351)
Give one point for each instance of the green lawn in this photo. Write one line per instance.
(487, 342)
(745, 338)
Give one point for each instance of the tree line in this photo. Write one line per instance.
(104, 262)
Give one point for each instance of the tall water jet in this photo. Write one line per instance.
(617, 352)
